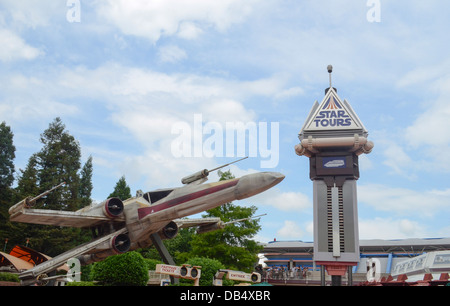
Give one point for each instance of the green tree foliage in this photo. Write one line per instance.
(209, 268)
(128, 269)
(16, 232)
(179, 247)
(9, 277)
(122, 190)
(58, 161)
(151, 263)
(7, 155)
(86, 183)
(28, 184)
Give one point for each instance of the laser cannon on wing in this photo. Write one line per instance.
(29, 202)
(203, 174)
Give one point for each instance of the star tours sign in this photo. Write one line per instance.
(332, 114)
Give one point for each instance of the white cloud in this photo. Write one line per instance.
(187, 19)
(140, 103)
(430, 128)
(365, 163)
(424, 75)
(310, 228)
(32, 13)
(189, 30)
(389, 228)
(15, 48)
(290, 230)
(426, 129)
(427, 134)
(32, 98)
(397, 159)
(171, 54)
(186, 88)
(227, 110)
(159, 169)
(290, 92)
(284, 201)
(403, 201)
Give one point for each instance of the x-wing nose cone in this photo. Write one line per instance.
(252, 184)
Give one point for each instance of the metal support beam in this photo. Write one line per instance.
(349, 276)
(322, 275)
(164, 253)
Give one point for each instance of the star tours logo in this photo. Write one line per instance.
(332, 115)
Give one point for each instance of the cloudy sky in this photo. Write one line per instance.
(124, 76)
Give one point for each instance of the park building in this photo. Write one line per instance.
(290, 263)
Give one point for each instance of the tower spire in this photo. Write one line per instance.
(330, 70)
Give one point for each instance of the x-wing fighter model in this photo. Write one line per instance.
(120, 226)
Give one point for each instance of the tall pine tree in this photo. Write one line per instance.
(7, 155)
(122, 190)
(58, 161)
(85, 190)
(27, 185)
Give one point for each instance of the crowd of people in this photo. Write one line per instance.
(283, 273)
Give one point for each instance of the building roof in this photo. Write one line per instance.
(411, 245)
(24, 258)
(18, 264)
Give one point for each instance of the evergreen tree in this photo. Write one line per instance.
(59, 161)
(7, 155)
(86, 183)
(122, 190)
(27, 185)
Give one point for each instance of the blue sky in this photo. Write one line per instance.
(125, 72)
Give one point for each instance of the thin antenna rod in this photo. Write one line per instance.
(330, 70)
(227, 164)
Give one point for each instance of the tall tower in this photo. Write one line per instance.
(332, 138)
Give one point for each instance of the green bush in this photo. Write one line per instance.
(9, 277)
(128, 269)
(80, 284)
(86, 273)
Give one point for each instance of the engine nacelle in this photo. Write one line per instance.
(120, 243)
(113, 207)
(116, 245)
(169, 231)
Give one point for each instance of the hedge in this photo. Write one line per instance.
(9, 277)
(128, 269)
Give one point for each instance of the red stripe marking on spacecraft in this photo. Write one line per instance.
(142, 212)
